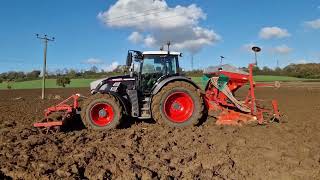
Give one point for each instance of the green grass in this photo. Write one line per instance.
(259, 78)
(277, 78)
(51, 83)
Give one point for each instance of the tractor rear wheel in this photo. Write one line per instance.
(101, 112)
(178, 104)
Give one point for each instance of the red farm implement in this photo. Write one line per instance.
(56, 116)
(161, 92)
(222, 104)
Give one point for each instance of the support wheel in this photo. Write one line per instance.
(178, 104)
(101, 112)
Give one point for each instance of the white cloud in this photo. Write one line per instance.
(135, 37)
(273, 32)
(314, 24)
(160, 23)
(282, 49)
(110, 67)
(93, 61)
(102, 64)
(150, 41)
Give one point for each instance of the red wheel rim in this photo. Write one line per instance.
(102, 114)
(178, 107)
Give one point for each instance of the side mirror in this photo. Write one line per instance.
(129, 59)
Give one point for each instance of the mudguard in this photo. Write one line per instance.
(158, 86)
(122, 101)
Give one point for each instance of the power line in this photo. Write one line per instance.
(134, 17)
(130, 14)
(117, 19)
(143, 20)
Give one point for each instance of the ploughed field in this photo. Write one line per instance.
(288, 150)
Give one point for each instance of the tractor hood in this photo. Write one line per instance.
(95, 84)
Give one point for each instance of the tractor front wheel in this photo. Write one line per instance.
(101, 112)
(178, 104)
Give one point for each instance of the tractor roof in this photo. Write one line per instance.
(160, 53)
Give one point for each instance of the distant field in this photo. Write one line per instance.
(200, 81)
(51, 83)
(278, 78)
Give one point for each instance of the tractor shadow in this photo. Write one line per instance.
(128, 122)
(203, 119)
(73, 124)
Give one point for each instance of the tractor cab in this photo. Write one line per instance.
(150, 67)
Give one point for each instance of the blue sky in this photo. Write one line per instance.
(83, 38)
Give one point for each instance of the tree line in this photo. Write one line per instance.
(19, 76)
(310, 71)
(92, 73)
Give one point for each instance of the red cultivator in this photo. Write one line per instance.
(222, 104)
(55, 117)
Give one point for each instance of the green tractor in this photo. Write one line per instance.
(153, 88)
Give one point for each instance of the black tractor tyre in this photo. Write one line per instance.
(108, 99)
(158, 100)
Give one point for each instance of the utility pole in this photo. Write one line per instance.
(45, 39)
(191, 62)
(278, 65)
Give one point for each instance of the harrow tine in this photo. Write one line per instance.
(41, 130)
(49, 130)
(55, 117)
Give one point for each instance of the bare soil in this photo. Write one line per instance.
(144, 150)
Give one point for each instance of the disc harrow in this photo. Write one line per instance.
(55, 117)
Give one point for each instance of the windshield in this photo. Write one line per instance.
(155, 64)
